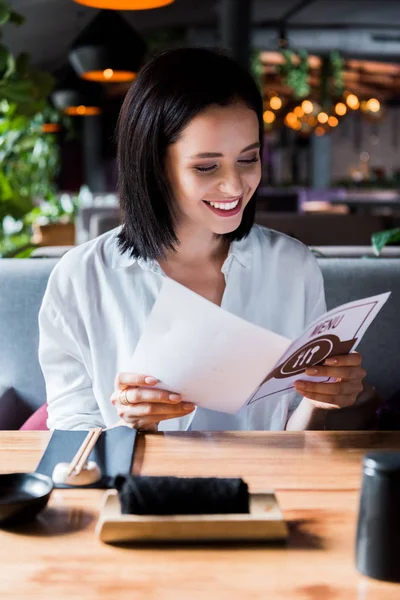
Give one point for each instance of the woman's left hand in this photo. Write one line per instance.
(344, 392)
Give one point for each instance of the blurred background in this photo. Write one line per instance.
(329, 71)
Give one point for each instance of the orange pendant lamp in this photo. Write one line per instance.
(82, 111)
(76, 97)
(125, 4)
(107, 50)
(51, 127)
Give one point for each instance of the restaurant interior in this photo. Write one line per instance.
(218, 514)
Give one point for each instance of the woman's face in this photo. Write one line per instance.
(214, 167)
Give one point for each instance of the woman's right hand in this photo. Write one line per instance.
(141, 407)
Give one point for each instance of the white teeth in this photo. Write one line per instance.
(225, 205)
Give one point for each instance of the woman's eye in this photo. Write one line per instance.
(246, 161)
(205, 169)
(249, 160)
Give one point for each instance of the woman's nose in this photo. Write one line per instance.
(231, 184)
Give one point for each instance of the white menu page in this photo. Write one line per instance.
(222, 362)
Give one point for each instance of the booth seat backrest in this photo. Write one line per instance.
(23, 282)
(22, 285)
(354, 278)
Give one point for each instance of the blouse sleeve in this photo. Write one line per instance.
(70, 399)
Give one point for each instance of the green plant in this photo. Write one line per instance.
(29, 157)
(382, 238)
(62, 209)
(16, 241)
(331, 78)
(295, 72)
(336, 72)
(257, 68)
(29, 161)
(11, 245)
(21, 85)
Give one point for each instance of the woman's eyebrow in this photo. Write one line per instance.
(217, 154)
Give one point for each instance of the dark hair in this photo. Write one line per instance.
(167, 93)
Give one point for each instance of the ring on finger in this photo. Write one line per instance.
(123, 399)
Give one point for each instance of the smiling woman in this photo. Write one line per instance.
(197, 128)
(189, 155)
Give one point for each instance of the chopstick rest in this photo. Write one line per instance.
(79, 471)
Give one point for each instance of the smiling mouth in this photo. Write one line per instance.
(224, 205)
(225, 208)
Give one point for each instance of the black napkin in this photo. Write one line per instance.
(113, 453)
(182, 495)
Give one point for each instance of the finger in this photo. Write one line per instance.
(143, 424)
(139, 395)
(124, 380)
(160, 410)
(329, 389)
(332, 401)
(340, 372)
(354, 359)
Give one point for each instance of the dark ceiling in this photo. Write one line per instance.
(369, 28)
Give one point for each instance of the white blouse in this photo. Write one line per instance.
(95, 308)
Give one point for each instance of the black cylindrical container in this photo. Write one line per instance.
(378, 532)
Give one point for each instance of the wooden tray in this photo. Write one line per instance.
(264, 522)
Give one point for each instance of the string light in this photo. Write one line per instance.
(307, 106)
(340, 109)
(319, 131)
(373, 105)
(352, 101)
(275, 103)
(269, 117)
(291, 119)
(322, 117)
(298, 111)
(333, 121)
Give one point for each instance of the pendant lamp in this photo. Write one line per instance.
(107, 50)
(51, 127)
(125, 4)
(76, 97)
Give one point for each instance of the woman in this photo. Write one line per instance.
(189, 148)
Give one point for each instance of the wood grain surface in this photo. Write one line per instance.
(316, 476)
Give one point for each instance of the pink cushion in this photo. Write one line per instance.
(37, 421)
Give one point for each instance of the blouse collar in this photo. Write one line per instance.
(239, 250)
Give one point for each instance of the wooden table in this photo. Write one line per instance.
(316, 476)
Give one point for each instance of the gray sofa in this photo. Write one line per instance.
(23, 281)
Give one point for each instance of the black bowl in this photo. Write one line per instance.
(22, 496)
